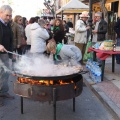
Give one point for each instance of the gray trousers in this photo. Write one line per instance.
(4, 74)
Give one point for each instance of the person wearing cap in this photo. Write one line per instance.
(81, 29)
(100, 29)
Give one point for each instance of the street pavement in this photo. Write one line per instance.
(108, 91)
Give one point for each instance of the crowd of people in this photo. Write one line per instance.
(39, 36)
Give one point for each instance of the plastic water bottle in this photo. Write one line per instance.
(94, 70)
(91, 69)
(88, 65)
(98, 78)
(92, 76)
(98, 74)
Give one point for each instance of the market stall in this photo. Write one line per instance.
(73, 7)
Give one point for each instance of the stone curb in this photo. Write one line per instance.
(113, 108)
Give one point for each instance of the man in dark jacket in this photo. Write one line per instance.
(6, 44)
(117, 30)
(99, 31)
(70, 24)
(100, 28)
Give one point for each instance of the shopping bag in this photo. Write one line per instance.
(87, 55)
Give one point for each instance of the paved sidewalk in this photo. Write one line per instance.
(109, 89)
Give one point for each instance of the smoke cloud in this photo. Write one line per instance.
(39, 65)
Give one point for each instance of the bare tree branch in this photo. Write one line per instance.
(104, 9)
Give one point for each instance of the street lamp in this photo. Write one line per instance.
(50, 6)
(90, 18)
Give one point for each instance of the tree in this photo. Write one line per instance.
(104, 9)
(105, 12)
(50, 5)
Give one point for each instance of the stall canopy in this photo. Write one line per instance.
(73, 6)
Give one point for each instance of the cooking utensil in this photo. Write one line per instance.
(18, 54)
(62, 77)
(14, 53)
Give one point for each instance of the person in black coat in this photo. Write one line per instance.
(58, 31)
(66, 30)
(100, 29)
(70, 24)
(6, 44)
(117, 30)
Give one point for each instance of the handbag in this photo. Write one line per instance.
(87, 55)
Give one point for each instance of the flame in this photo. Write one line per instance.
(44, 82)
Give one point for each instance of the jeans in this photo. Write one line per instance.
(118, 44)
(4, 75)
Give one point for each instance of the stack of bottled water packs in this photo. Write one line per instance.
(94, 70)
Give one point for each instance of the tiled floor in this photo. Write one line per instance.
(111, 90)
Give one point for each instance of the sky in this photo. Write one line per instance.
(25, 8)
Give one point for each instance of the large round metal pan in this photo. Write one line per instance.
(63, 77)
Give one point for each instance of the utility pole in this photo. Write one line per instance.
(55, 8)
(90, 18)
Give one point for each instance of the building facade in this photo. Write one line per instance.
(113, 10)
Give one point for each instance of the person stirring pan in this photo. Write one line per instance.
(6, 43)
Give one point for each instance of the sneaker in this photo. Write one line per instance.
(1, 102)
(7, 95)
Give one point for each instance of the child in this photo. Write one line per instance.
(68, 53)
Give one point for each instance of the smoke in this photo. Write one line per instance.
(39, 65)
(3, 67)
